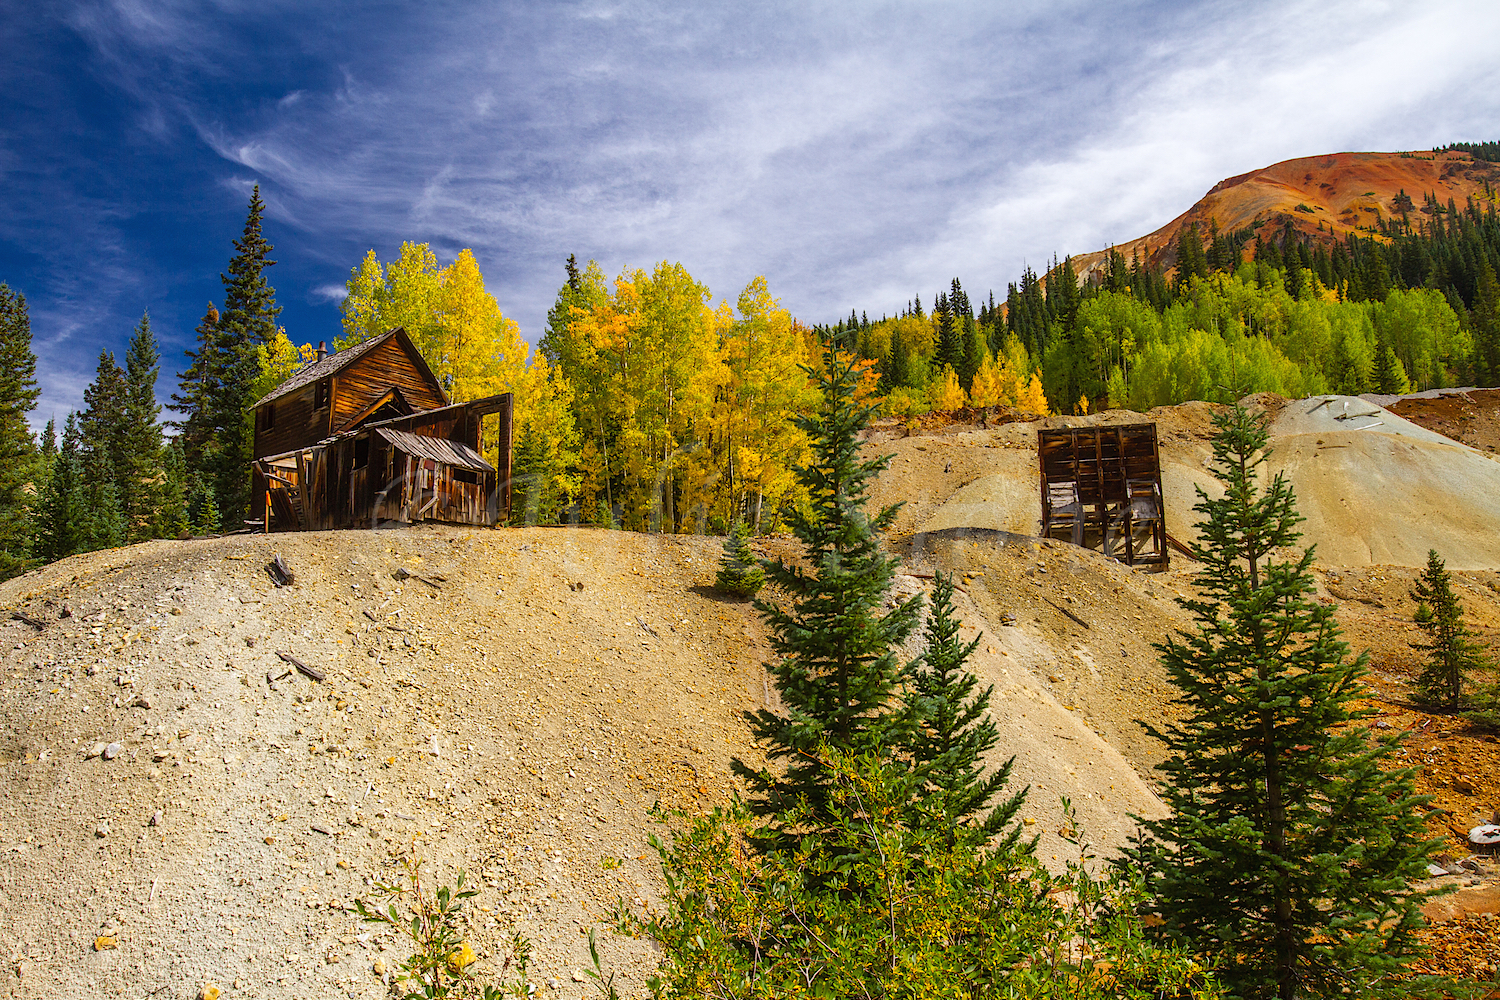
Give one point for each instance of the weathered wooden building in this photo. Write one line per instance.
(1101, 489)
(367, 435)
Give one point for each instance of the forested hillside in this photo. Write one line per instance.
(648, 404)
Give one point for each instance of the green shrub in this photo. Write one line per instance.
(877, 907)
(441, 965)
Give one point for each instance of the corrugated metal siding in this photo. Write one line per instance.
(447, 452)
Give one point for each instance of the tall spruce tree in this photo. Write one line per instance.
(247, 321)
(18, 396)
(171, 515)
(1452, 656)
(140, 476)
(952, 731)
(1389, 375)
(196, 389)
(1290, 852)
(103, 426)
(837, 669)
(55, 519)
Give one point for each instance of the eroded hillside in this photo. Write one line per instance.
(513, 702)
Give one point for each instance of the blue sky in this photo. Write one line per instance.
(855, 154)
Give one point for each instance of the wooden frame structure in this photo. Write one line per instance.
(367, 436)
(421, 467)
(1101, 489)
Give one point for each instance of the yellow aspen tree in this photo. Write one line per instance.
(1033, 400)
(478, 351)
(763, 350)
(402, 294)
(986, 389)
(546, 459)
(276, 361)
(945, 392)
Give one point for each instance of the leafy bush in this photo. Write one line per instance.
(877, 907)
(441, 965)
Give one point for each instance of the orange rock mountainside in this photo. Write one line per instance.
(1339, 192)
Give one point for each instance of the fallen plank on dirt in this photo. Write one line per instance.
(312, 672)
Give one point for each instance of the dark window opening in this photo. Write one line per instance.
(268, 417)
(465, 476)
(361, 452)
(320, 395)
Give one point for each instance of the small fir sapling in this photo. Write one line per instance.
(952, 731)
(739, 568)
(1451, 656)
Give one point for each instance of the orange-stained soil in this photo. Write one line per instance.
(1325, 197)
(1472, 417)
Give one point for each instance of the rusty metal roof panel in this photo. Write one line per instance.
(437, 449)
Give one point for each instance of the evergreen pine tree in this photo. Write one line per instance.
(49, 442)
(55, 518)
(96, 505)
(739, 568)
(952, 731)
(205, 512)
(171, 516)
(1451, 656)
(1289, 853)
(197, 387)
(837, 671)
(1389, 375)
(1485, 320)
(140, 477)
(247, 322)
(18, 396)
(102, 422)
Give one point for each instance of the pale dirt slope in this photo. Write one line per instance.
(559, 715)
(567, 679)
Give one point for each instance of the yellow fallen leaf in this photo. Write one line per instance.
(462, 957)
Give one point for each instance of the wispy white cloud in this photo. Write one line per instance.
(854, 155)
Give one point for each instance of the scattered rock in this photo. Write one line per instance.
(112, 751)
(320, 828)
(102, 830)
(106, 942)
(208, 992)
(378, 967)
(94, 750)
(156, 818)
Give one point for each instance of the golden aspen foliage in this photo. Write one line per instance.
(945, 392)
(276, 361)
(648, 364)
(986, 389)
(1015, 371)
(402, 293)
(1033, 400)
(755, 444)
(457, 326)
